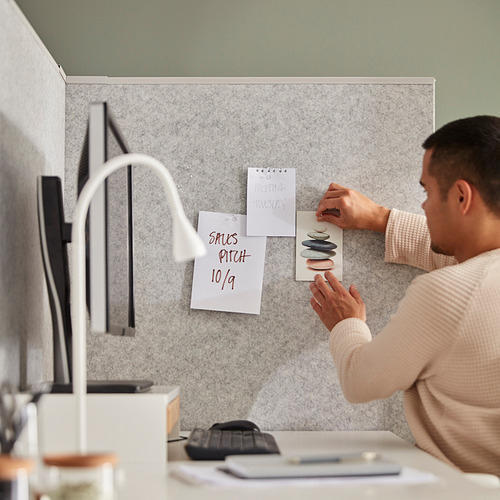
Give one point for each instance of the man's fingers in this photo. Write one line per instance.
(315, 305)
(318, 309)
(322, 287)
(334, 282)
(319, 289)
(335, 186)
(334, 192)
(355, 294)
(332, 203)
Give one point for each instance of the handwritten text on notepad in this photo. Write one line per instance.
(271, 202)
(229, 277)
(226, 256)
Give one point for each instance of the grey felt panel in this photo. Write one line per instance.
(32, 94)
(275, 367)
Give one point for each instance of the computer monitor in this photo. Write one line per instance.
(110, 228)
(110, 272)
(55, 234)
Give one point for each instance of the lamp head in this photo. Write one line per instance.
(187, 243)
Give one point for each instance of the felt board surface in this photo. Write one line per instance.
(32, 113)
(273, 368)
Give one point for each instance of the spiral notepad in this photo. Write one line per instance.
(271, 202)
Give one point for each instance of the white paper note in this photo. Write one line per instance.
(271, 202)
(229, 277)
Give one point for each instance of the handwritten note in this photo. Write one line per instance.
(229, 277)
(271, 202)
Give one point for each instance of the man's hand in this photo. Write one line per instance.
(349, 209)
(333, 303)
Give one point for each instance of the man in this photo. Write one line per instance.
(442, 346)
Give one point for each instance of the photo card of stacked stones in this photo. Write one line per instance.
(318, 247)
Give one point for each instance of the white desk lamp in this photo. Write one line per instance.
(187, 246)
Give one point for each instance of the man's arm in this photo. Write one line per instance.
(404, 350)
(407, 241)
(407, 348)
(407, 236)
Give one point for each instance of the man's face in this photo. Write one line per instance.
(437, 210)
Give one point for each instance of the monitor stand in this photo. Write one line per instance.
(106, 386)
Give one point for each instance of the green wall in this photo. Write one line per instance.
(455, 41)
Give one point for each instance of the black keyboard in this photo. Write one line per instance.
(216, 444)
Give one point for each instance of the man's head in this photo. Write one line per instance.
(468, 149)
(461, 176)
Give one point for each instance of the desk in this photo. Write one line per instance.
(154, 482)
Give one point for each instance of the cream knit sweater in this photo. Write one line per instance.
(442, 347)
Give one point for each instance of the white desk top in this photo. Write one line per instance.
(154, 482)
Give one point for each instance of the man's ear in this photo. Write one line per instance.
(464, 195)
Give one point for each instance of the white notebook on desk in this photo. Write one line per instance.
(274, 467)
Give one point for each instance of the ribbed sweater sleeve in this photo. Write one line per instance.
(407, 241)
(422, 329)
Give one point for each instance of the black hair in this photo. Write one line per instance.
(468, 149)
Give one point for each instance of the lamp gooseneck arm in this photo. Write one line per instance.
(192, 247)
